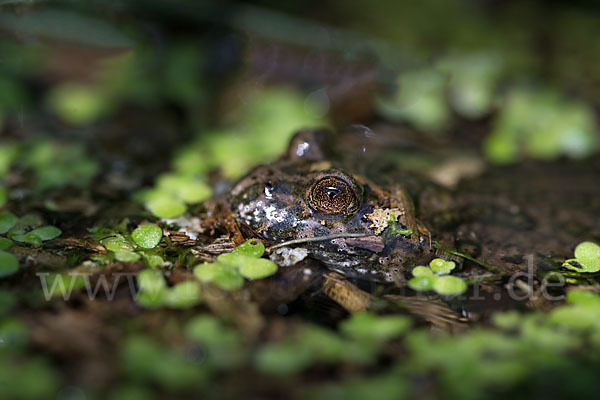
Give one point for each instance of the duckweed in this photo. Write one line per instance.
(7, 221)
(256, 268)
(152, 260)
(367, 326)
(145, 360)
(8, 264)
(449, 285)
(116, 243)
(419, 99)
(13, 334)
(222, 343)
(422, 282)
(387, 386)
(364, 335)
(250, 248)
(77, 104)
(27, 229)
(428, 278)
(5, 243)
(154, 292)
(46, 232)
(223, 275)
(541, 124)
(421, 270)
(147, 236)
(31, 378)
(59, 284)
(587, 255)
(142, 243)
(57, 164)
(7, 302)
(229, 269)
(127, 256)
(473, 80)
(166, 207)
(183, 295)
(441, 267)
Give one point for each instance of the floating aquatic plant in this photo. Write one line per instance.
(587, 257)
(7, 221)
(142, 243)
(541, 124)
(229, 269)
(364, 335)
(222, 342)
(147, 236)
(27, 229)
(8, 264)
(432, 278)
(155, 293)
(419, 99)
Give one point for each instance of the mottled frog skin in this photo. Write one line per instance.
(359, 228)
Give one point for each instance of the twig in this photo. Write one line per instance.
(316, 239)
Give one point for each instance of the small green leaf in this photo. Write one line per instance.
(228, 279)
(151, 280)
(153, 289)
(184, 295)
(8, 264)
(47, 232)
(256, 268)
(508, 320)
(207, 271)
(77, 104)
(230, 259)
(194, 192)
(5, 243)
(449, 285)
(29, 237)
(583, 298)
(283, 358)
(422, 283)
(147, 236)
(166, 207)
(251, 248)
(588, 255)
(25, 223)
(152, 299)
(116, 243)
(421, 270)
(126, 256)
(442, 267)
(223, 275)
(3, 196)
(367, 326)
(153, 260)
(7, 221)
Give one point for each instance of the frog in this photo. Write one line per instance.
(308, 199)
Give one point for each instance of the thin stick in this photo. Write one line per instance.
(490, 267)
(317, 239)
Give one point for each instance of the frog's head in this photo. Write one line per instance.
(340, 218)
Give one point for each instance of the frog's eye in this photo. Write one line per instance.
(333, 195)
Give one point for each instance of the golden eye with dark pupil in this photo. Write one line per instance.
(331, 192)
(331, 195)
